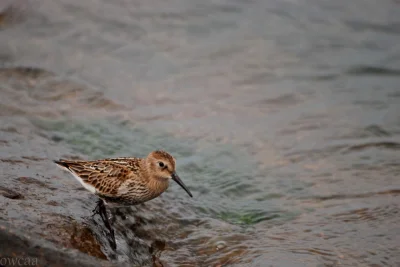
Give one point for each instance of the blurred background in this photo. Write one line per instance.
(283, 115)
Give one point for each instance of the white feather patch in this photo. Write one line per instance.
(124, 188)
(88, 187)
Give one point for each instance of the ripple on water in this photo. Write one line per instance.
(13, 12)
(36, 91)
(380, 213)
(372, 71)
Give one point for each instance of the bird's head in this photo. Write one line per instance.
(161, 166)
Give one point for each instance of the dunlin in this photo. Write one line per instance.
(124, 181)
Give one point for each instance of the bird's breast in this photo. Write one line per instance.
(133, 193)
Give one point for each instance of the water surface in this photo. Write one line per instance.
(283, 117)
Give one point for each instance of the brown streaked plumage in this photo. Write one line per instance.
(126, 181)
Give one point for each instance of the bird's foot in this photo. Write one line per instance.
(98, 208)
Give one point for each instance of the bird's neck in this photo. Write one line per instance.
(158, 185)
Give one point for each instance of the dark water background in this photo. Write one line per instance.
(284, 117)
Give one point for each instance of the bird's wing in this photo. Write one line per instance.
(130, 163)
(102, 177)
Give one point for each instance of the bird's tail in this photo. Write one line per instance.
(62, 163)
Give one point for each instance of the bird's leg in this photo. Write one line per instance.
(103, 214)
(96, 210)
(102, 211)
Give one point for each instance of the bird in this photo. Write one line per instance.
(124, 181)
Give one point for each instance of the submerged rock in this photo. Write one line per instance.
(26, 249)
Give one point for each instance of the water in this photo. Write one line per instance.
(283, 117)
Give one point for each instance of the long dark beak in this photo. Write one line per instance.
(178, 180)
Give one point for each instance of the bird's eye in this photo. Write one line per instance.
(161, 164)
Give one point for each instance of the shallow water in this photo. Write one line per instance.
(283, 117)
